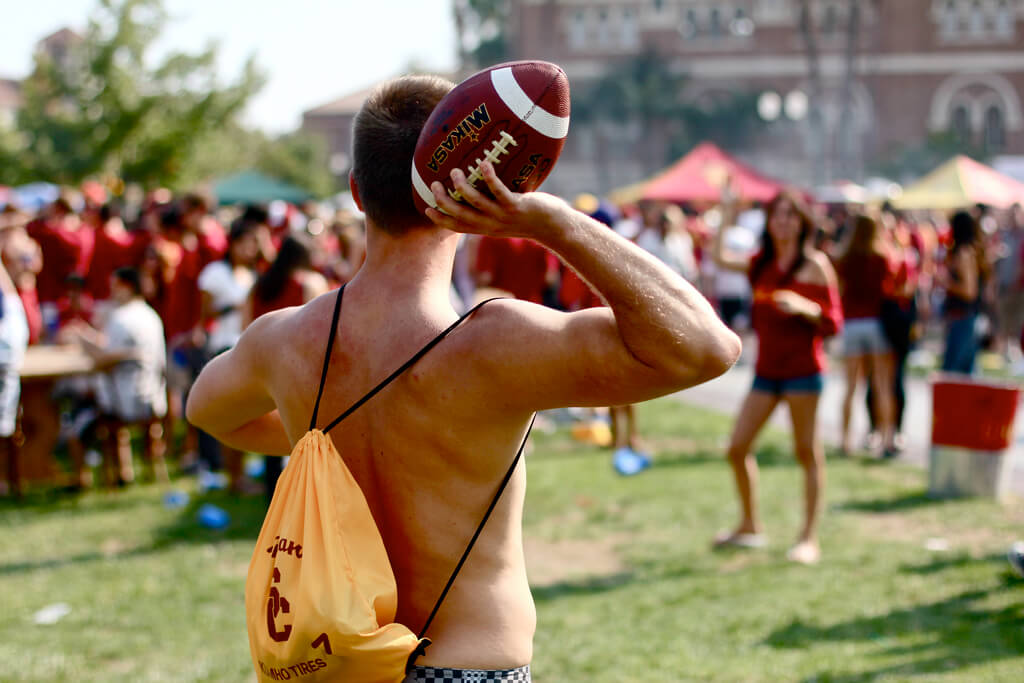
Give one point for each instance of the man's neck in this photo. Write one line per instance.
(416, 265)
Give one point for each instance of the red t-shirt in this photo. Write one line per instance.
(291, 295)
(113, 250)
(790, 346)
(574, 293)
(64, 252)
(865, 280)
(517, 265)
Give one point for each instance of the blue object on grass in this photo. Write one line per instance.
(212, 517)
(175, 499)
(628, 462)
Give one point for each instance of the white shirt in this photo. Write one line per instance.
(13, 331)
(228, 293)
(675, 250)
(134, 389)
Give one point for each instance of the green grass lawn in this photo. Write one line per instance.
(625, 584)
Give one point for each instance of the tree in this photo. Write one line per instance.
(644, 89)
(104, 111)
(296, 158)
(480, 32)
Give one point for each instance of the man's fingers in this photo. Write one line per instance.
(502, 195)
(445, 204)
(470, 194)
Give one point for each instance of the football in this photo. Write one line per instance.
(515, 114)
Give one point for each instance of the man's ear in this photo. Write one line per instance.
(353, 186)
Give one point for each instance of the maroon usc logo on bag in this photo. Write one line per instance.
(277, 604)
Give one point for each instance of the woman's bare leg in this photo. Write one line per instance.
(803, 409)
(854, 366)
(756, 410)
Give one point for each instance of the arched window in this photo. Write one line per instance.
(960, 123)
(995, 129)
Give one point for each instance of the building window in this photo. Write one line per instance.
(976, 20)
(1004, 19)
(578, 29)
(630, 36)
(961, 123)
(830, 24)
(690, 28)
(950, 19)
(715, 23)
(995, 129)
(604, 33)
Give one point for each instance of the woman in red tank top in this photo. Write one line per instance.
(289, 281)
(795, 306)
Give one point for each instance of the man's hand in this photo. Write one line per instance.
(509, 214)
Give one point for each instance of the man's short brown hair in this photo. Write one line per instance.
(384, 135)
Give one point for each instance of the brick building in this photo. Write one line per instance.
(918, 67)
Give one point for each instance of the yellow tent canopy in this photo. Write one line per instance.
(959, 183)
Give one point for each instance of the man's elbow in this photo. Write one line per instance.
(718, 352)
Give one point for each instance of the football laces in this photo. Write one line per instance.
(498, 147)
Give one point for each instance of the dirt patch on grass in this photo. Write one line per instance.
(551, 562)
(918, 529)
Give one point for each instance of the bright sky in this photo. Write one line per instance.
(313, 51)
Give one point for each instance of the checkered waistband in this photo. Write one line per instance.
(429, 674)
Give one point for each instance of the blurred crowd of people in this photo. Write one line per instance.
(151, 292)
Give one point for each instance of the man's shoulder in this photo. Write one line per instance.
(291, 327)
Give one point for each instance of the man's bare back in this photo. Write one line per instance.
(428, 453)
(430, 450)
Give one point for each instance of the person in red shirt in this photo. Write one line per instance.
(67, 243)
(795, 307)
(515, 265)
(116, 246)
(290, 280)
(867, 277)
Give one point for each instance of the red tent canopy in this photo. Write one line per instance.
(701, 174)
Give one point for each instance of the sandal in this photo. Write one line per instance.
(739, 540)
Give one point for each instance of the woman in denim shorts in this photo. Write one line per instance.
(866, 276)
(795, 306)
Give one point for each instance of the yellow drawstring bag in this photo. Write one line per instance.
(320, 595)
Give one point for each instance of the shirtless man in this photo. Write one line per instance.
(429, 450)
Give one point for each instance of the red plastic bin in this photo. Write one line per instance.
(974, 414)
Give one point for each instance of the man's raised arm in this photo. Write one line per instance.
(660, 335)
